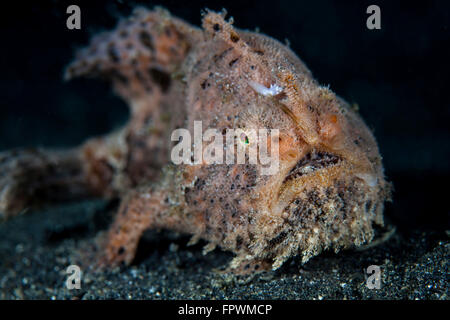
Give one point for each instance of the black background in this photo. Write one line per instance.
(397, 75)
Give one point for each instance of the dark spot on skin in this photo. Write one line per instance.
(139, 76)
(121, 251)
(161, 78)
(146, 40)
(113, 54)
(203, 85)
(123, 34)
(278, 239)
(238, 242)
(345, 207)
(259, 52)
(116, 75)
(232, 62)
(257, 266)
(199, 184)
(252, 67)
(124, 210)
(187, 195)
(299, 210)
(222, 55)
(368, 205)
(216, 27)
(143, 80)
(234, 37)
(247, 266)
(313, 197)
(281, 96)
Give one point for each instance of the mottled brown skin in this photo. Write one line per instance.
(329, 190)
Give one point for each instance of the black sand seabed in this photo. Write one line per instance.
(36, 248)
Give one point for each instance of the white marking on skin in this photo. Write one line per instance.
(369, 179)
(261, 89)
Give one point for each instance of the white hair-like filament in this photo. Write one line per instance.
(261, 89)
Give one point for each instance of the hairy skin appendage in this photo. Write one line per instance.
(328, 192)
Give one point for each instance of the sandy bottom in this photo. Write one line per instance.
(36, 249)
